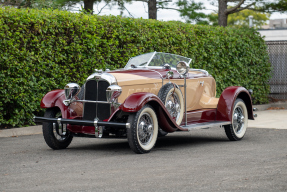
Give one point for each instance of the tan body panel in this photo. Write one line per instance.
(135, 83)
(200, 91)
(199, 95)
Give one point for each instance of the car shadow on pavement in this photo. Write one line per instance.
(168, 143)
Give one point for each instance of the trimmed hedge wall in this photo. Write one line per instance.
(43, 50)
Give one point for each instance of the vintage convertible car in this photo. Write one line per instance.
(155, 94)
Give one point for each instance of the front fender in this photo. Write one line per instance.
(136, 101)
(50, 99)
(226, 103)
(55, 98)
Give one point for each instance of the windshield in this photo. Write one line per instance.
(139, 61)
(156, 59)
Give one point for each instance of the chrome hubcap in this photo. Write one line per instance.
(238, 119)
(172, 105)
(145, 129)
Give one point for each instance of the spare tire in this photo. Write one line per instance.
(172, 98)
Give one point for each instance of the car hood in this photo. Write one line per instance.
(136, 76)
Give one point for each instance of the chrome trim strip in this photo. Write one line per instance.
(60, 126)
(103, 76)
(96, 122)
(160, 76)
(200, 70)
(83, 98)
(128, 125)
(185, 100)
(82, 122)
(189, 60)
(97, 98)
(90, 101)
(64, 129)
(206, 125)
(150, 59)
(100, 132)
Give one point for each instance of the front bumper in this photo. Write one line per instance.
(97, 124)
(94, 123)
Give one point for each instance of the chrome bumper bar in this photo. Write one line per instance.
(95, 123)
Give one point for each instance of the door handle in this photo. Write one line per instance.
(201, 83)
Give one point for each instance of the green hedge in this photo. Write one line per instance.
(43, 50)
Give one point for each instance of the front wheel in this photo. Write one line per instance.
(51, 134)
(142, 134)
(237, 129)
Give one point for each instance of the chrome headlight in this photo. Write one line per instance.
(113, 92)
(71, 90)
(182, 68)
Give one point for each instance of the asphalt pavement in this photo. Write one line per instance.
(199, 160)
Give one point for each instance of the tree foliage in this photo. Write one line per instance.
(278, 6)
(241, 18)
(190, 11)
(237, 9)
(37, 4)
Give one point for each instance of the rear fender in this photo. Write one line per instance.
(136, 101)
(226, 103)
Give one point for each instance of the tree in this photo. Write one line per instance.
(241, 18)
(224, 10)
(88, 4)
(280, 6)
(256, 5)
(16, 3)
(37, 4)
(188, 8)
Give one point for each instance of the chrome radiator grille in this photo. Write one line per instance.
(96, 91)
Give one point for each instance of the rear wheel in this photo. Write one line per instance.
(237, 129)
(143, 131)
(51, 134)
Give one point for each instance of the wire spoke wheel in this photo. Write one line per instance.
(145, 129)
(173, 105)
(142, 134)
(238, 119)
(237, 129)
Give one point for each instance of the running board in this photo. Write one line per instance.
(205, 125)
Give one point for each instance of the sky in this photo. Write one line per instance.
(139, 9)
